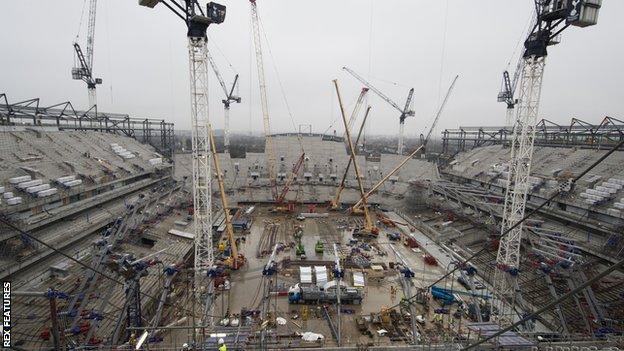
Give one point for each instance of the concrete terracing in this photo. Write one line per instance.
(325, 162)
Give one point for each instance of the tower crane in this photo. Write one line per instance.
(552, 18)
(236, 260)
(356, 207)
(405, 111)
(369, 227)
(508, 86)
(229, 98)
(84, 65)
(197, 21)
(269, 150)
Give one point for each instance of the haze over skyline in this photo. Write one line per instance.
(141, 56)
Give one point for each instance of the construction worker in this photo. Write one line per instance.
(222, 346)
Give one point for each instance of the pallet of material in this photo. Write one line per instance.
(181, 234)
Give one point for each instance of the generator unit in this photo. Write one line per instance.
(314, 295)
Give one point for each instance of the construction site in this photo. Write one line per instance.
(116, 234)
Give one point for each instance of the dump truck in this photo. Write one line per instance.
(315, 295)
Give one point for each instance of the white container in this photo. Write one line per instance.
(155, 161)
(47, 192)
(17, 180)
(73, 183)
(29, 183)
(619, 205)
(14, 201)
(8, 195)
(38, 188)
(65, 179)
(1, 189)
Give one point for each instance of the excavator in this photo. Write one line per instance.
(369, 228)
(235, 260)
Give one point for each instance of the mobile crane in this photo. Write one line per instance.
(369, 226)
(236, 260)
(335, 202)
(278, 197)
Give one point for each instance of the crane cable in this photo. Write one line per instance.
(84, 3)
(279, 80)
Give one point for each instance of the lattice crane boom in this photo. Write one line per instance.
(84, 70)
(552, 17)
(229, 98)
(440, 109)
(197, 22)
(405, 112)
(269, 150)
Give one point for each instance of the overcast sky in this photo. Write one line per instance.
(141, 55)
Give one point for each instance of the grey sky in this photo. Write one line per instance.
(142, 57)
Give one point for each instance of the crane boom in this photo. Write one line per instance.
(263, 99)
(229, 98)
(440, 109)
(224, 203)
(405, 112)
(293, 173)
(369, 223)
(91, 32)
(356, 109)
(364, 197)
(218, 74)
(375, 90)
(408, 101)
(84, 71)
(336, 202)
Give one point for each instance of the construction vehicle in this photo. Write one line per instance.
(335, 202)
(279, 198)
(280, 202)
(235, 260)
(450, 296)
(319, 247)
(300, 249)
(328, 294)
(356, 208)
(369, 228)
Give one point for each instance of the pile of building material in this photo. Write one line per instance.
(603, 192)
(68, 181)
(121, 151)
